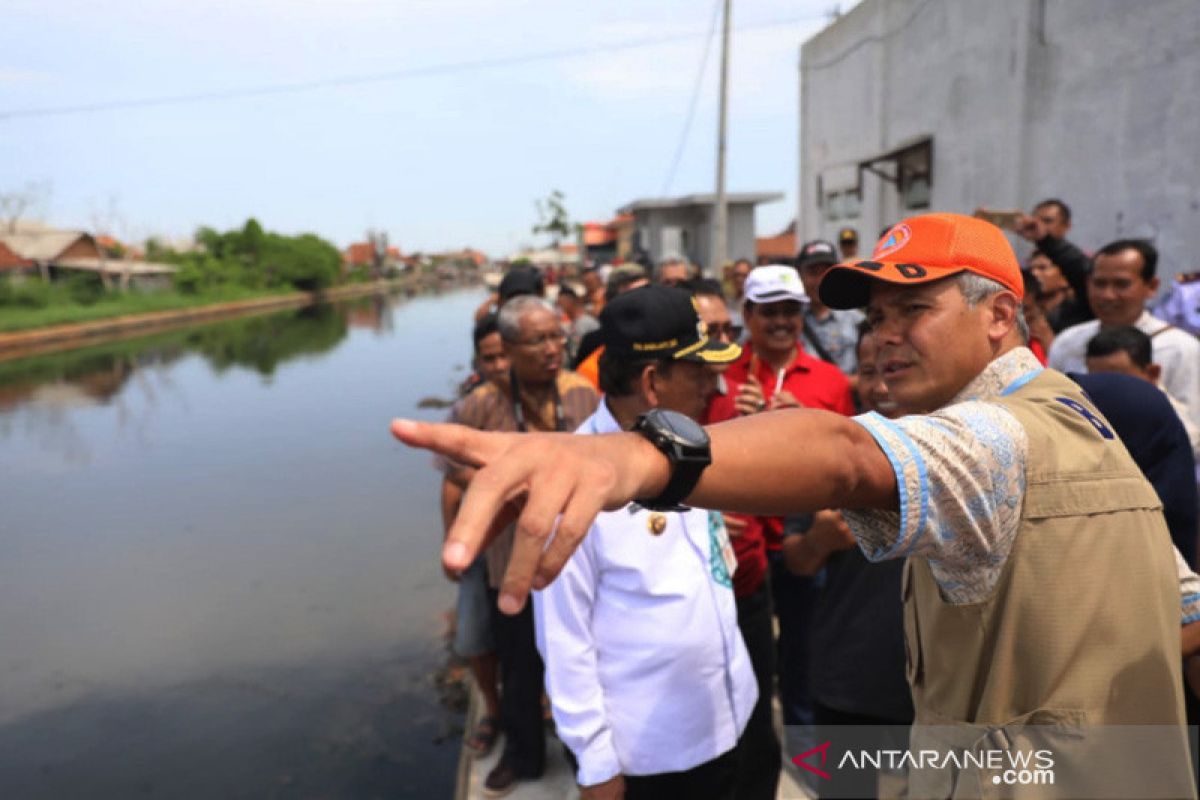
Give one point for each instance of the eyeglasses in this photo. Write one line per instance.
(555, 338)
(715, 330)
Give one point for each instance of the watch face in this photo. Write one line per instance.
(680, 427)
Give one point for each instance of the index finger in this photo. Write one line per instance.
(457, 442)
(486, 509)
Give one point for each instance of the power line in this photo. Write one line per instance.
(368, 78)
(849, 51)
(687, 125)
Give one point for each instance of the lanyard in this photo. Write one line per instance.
(560, 420)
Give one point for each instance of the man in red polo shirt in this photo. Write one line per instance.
(774, 372)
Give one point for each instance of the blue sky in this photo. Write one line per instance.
(448, 159)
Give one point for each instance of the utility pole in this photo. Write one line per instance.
(720, 243)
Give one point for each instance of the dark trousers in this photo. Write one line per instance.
(521, 679)
(794, 598)
(712, 780)
(758, 773)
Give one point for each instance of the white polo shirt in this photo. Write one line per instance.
(645, 665)
(1175, 350)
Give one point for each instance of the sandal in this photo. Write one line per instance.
(483, 738)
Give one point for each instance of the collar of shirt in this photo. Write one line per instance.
(999, 375)
(811, 318)
(801, 363)
(601, 421)
(1149, 324)
(544, 419)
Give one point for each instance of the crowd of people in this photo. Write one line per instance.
(890, 501)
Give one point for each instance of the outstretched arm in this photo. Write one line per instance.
(785, 461)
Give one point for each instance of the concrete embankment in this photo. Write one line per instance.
(55, 338)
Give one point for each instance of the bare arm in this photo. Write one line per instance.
(786, 461)
(1190, 636)
(451, 498)
(791, 461)
(805, 553)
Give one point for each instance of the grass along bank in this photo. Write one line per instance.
(64, 309)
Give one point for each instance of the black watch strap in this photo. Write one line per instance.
(687, 453)
(684, 477)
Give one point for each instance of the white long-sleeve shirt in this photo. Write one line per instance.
(1176, 351)
(645, 666)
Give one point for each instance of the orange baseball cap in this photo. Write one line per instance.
(924, 249)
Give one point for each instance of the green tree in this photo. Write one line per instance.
(156, 250)
(252, 239)
(553, 219)
(306, 262)
(210, 240)
(257, 259)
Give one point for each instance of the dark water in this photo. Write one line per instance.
(218, 572)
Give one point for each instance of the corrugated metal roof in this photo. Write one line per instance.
(43, 245)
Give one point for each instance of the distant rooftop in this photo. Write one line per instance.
(40, 243)
(738, 198)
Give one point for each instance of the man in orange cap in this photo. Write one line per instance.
(1042, 595)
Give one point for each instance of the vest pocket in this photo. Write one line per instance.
(1021, 758)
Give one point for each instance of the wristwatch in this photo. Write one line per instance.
(686, 446)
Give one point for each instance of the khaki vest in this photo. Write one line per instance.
(1081, 629)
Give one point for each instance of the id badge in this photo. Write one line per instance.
(723, 561)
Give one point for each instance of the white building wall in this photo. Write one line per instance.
(1093, 101)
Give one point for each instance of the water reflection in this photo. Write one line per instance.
(218, 575)
(256, 343)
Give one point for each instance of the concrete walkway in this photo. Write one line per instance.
(558, 783)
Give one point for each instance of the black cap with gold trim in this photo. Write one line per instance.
(660, 322)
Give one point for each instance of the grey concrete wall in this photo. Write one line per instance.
(695, 220)
(741, 234)
(1093, 101)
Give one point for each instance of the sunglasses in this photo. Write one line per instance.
(716, 330)
(779, 309)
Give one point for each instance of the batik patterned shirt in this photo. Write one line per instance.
(960, 473)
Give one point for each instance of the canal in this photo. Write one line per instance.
(219, 574)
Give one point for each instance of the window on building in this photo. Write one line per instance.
(909, 169)
(916, 175)
(833, 206)
(845, 204)
(851, 204)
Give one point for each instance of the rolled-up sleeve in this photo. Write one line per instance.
(960, 474)
(1189, 591)
(563, 616)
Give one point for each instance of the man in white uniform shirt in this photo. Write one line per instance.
(647, 674)
(1121, 282)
